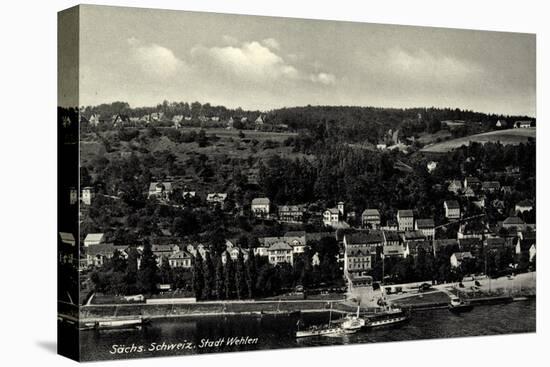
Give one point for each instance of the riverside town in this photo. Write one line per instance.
(288, 211)
(294, 211)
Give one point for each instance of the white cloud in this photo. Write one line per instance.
(422, 64)
(250, 61)
(255, 61)
(323, 78)
(155, 60)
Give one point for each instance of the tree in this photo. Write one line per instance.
(147, 275)
(251, 273)
(202, 140)
(132, 270)
(240, 277)
(166, 273)
(209, 277)
(220, 279)
(198, 278)
(229, 277)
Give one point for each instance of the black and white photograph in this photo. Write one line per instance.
(286, 183)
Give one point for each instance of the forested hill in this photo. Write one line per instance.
(370, 123)
(343, 123)
(389, 117)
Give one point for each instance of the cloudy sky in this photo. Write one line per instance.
(144, 57)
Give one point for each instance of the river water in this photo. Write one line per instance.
(199, 335)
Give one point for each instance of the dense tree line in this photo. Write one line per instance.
(212, 279)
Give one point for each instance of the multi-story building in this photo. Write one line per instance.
(280, 253)
(181, 259)
(426, 226)
(331, 217)
(359, 251)
(452, 209)
(291, 213)
(260, 207)
(405, 219)
(370, 218)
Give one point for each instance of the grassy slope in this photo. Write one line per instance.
(509, 136)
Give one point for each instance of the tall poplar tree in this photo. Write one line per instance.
(198, 277)
(209, 277)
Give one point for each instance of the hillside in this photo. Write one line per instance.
(509, 136)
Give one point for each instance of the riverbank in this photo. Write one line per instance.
(489, 291)
(477, 291)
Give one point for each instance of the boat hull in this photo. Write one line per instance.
(461, 309)
(385, 322)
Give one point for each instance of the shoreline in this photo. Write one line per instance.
(260, 313)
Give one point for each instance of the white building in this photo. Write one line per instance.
(260, 207)
(279, 253)
(331, 216)
(87, 195)
(160, 190)
(405, 220)
(217, 198)
(181, 259)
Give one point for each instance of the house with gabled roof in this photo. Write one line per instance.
(97, 255)
(525, 124)
(260, 207)
(524, 206)
(370, 218)
(426, 226)
(279, 253)
(180, 259)
(163, 252)
(93, 239)
(452, 209)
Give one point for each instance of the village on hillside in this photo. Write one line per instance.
(168, 208)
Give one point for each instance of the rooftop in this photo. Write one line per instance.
(452, 204)
(279, 246)
(513, 221)
(405, 213)
(260, 201)
(94, 237)
(425, 223)
(371, 213)
(364, 238)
